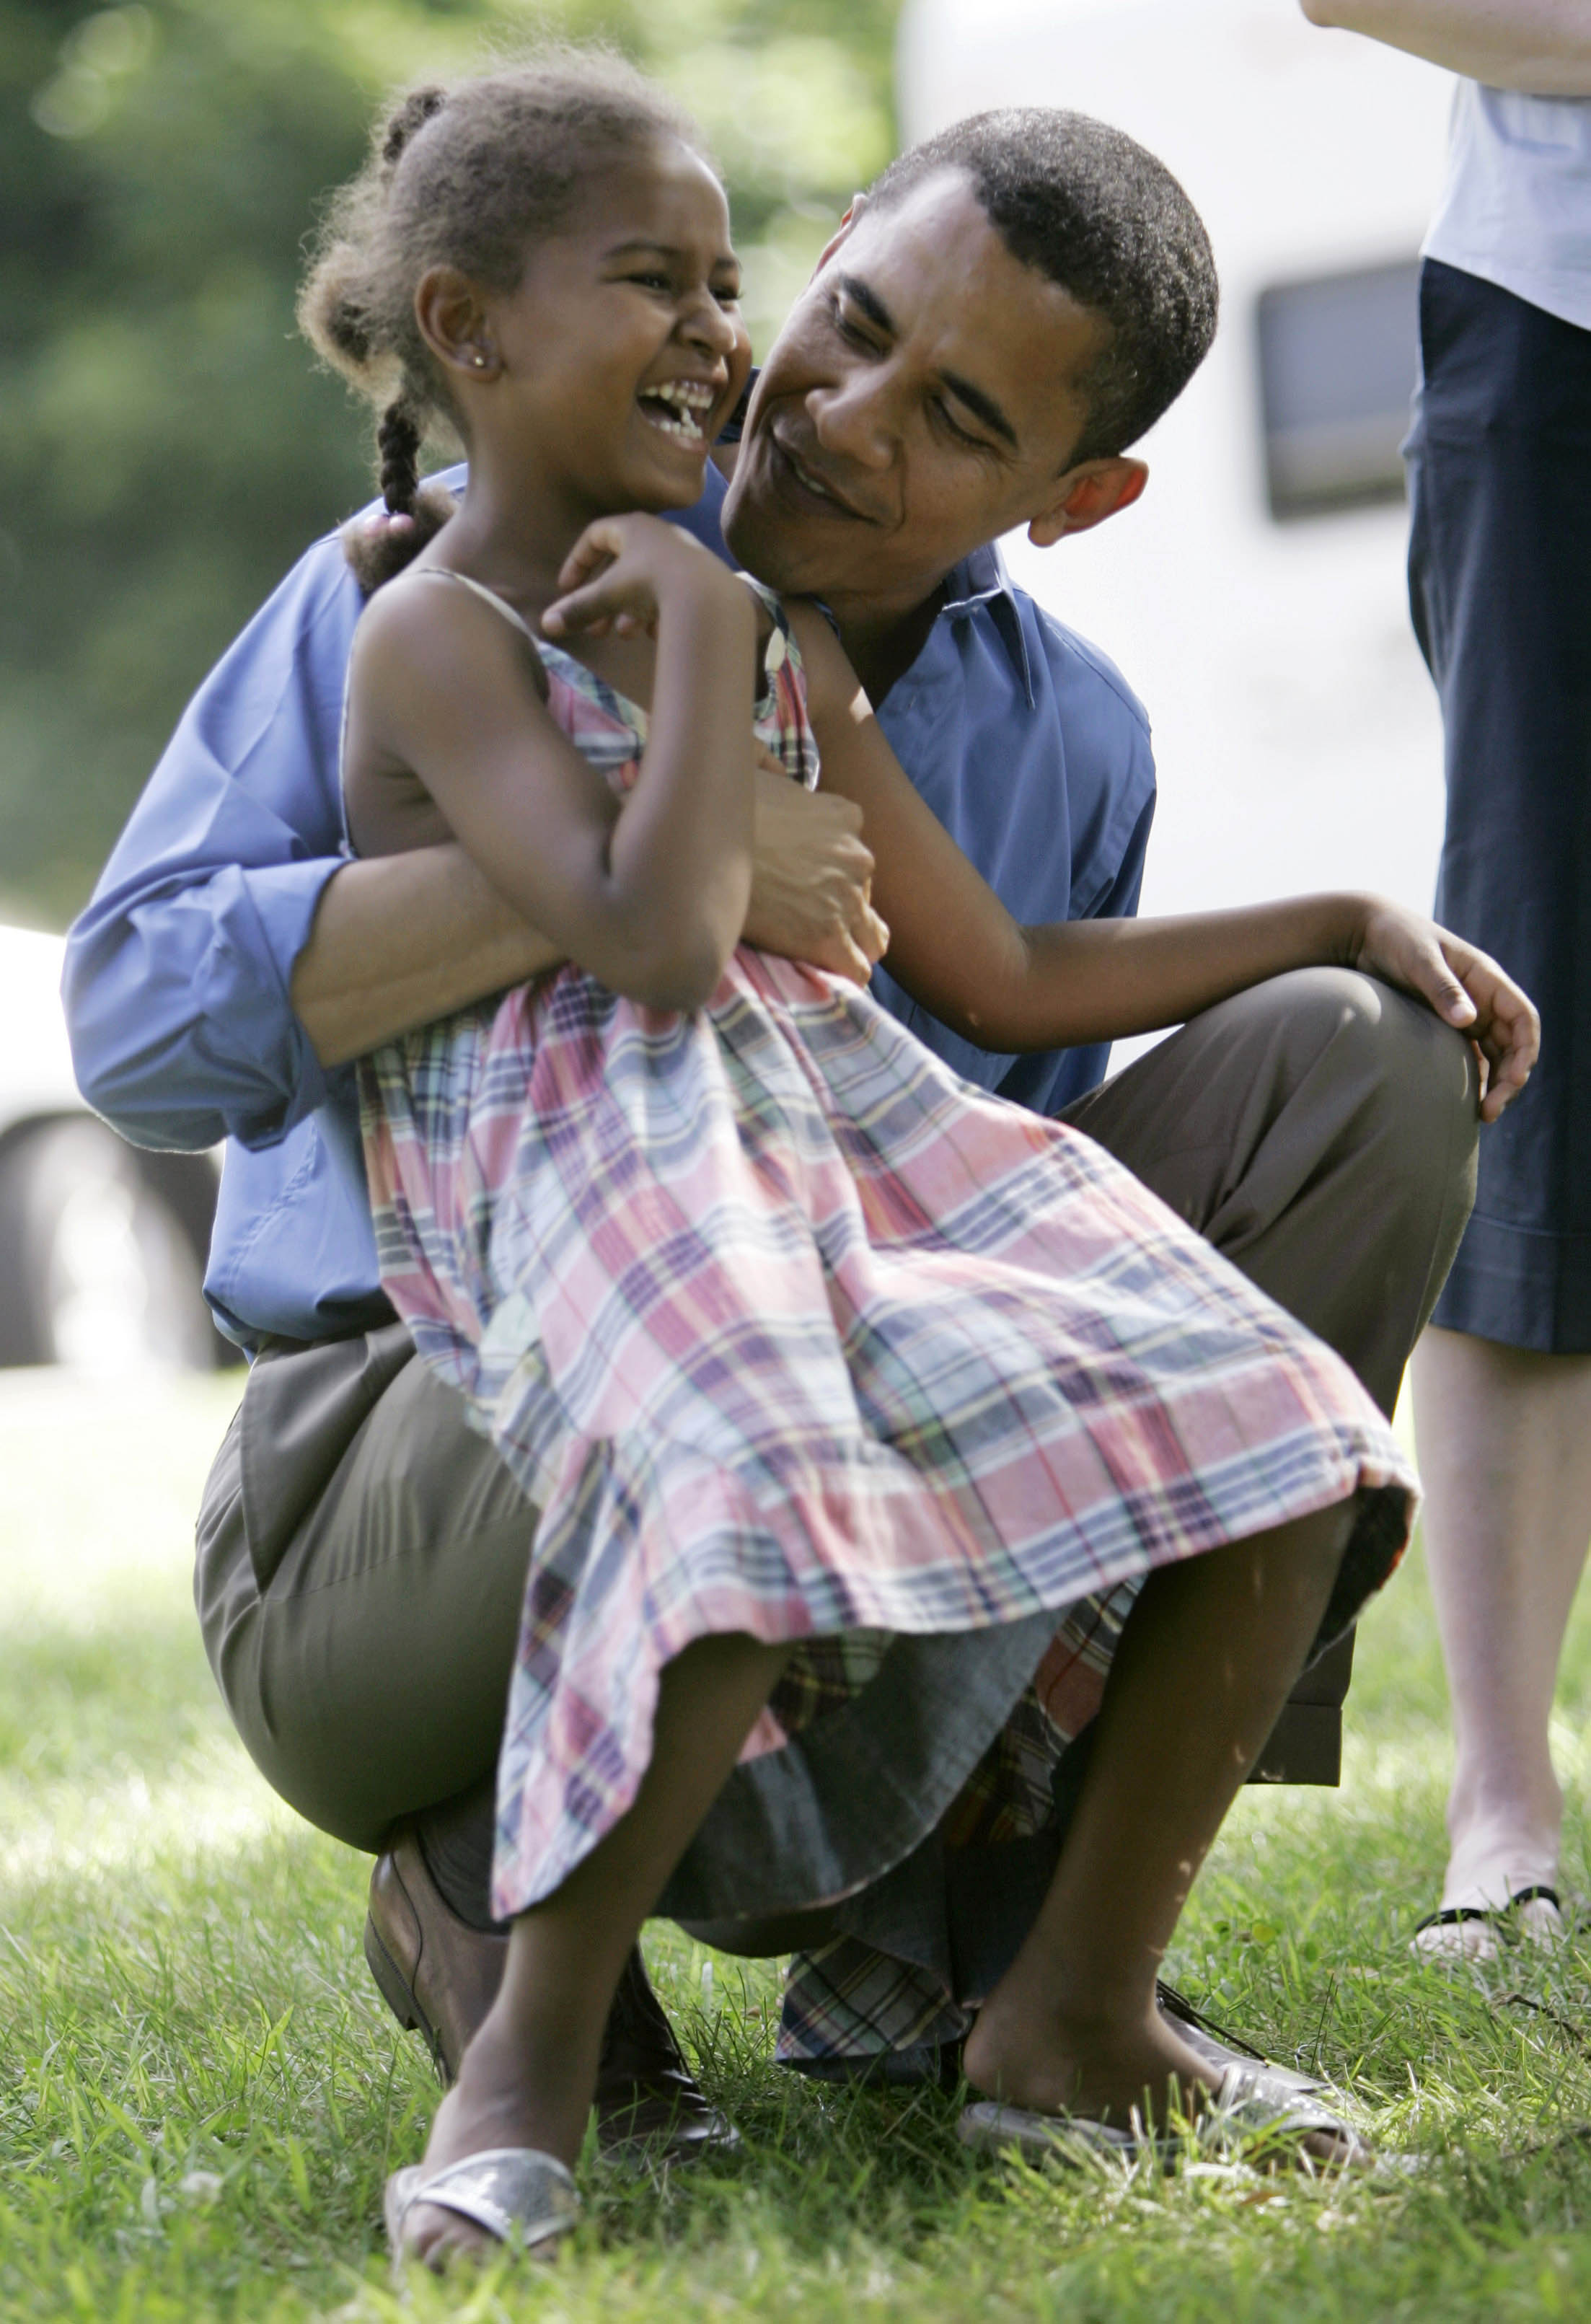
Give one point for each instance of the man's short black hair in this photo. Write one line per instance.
(1088, 207)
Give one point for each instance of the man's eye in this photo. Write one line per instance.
(963, 435)
(848, 325)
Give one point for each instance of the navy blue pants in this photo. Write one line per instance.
(1500, 589)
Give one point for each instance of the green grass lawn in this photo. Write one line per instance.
(200, 2094)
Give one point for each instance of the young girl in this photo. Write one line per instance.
(836, 1383)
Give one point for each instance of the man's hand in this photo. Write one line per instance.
(812, 880)
(1465, 988)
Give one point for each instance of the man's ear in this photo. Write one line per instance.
(1086, 495)
(454, 323)
(859, 203)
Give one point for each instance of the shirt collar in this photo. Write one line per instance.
(982, 579)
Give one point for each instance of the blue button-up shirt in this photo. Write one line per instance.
(1023, 741)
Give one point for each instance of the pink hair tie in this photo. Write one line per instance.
(393, 520)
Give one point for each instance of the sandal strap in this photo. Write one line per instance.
(511, 2191)
(1452, 1915)
(1256, 2103)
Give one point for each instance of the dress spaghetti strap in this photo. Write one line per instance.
(445, 573)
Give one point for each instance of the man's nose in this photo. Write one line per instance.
(856, 419)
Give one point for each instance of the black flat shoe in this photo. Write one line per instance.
(1478, 1932)
(649, 2105)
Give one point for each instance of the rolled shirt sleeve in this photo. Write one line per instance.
(178, 974)
(180, 969)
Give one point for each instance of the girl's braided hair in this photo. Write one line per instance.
(469, 176)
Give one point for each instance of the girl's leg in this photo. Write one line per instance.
(526, 2079)
(1506, 1450)
(1204, 1665)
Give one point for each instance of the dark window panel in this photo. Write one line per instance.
(1338, 355)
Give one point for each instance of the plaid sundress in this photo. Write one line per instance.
(786, 1330)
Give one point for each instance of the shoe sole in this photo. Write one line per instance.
(399, 1996)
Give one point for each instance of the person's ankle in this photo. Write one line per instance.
(1493, 1855)
(1104, 2064)
(511, 2095)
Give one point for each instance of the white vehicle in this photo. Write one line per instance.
(1255, 598)
(102, 1246)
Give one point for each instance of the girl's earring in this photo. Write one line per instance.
(479, 361)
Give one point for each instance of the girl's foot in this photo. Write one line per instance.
(1108, 2071)
(1103, 2069)
(493, 2104)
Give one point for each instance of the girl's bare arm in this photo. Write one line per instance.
(648, 893)
(955, 948)
(1542, 47)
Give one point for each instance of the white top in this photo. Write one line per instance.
(1516, 208)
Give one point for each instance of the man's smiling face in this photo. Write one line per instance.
(922, 399)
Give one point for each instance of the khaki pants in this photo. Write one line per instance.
(362, 1553)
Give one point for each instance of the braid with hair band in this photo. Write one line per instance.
(397, 440)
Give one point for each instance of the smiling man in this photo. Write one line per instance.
(991, 329)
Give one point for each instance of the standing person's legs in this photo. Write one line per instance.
(361, 1566)
(1505, 1446)
(1500, 572)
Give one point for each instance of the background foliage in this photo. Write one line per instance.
(166, 447)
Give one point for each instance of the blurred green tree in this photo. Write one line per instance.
(167, 446)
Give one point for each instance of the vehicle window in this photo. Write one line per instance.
(1338, 355)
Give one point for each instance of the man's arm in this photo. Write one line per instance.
(1541, 47)
(400, 941)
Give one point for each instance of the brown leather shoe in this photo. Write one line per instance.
(649, 2105)
(440, 1977)
(436, 1975)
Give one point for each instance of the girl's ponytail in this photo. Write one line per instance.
(398, 442)
(382, 545)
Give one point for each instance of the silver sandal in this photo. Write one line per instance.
(517, 2193)
(1251, 2109)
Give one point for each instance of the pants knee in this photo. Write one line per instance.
(1406, 1065)
(1421, 1075)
